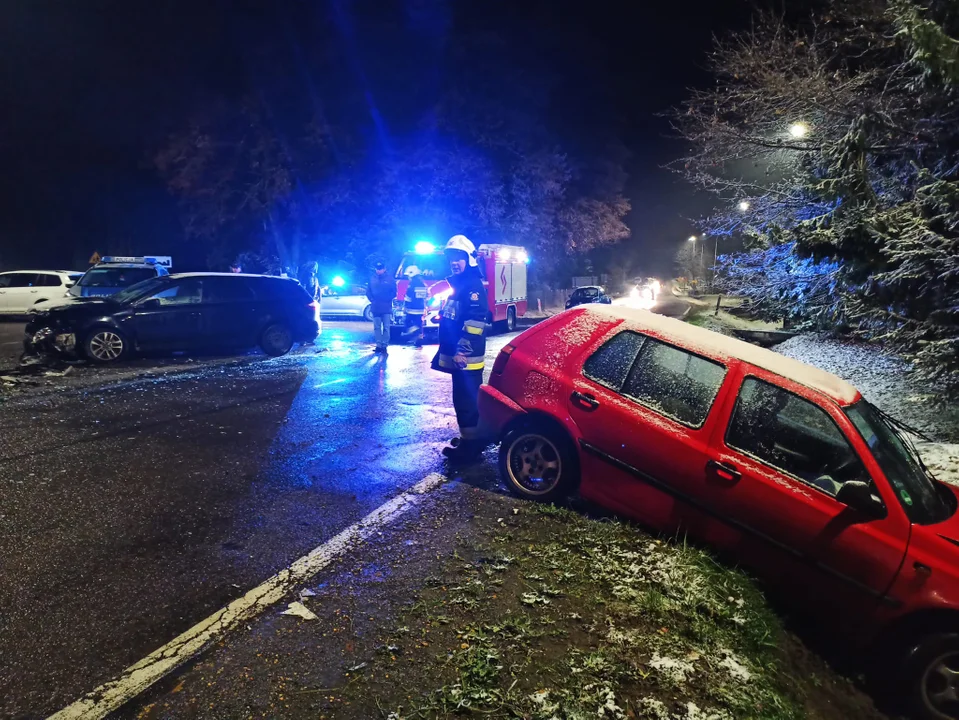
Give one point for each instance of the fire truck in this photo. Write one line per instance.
(503, 268)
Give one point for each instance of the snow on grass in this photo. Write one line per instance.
(942, 459)
(675, 670)
(734, 667)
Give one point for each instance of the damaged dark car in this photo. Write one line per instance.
(198, 311)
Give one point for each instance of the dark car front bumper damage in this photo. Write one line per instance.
(46, 340)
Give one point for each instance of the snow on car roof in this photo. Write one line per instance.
(713, 343)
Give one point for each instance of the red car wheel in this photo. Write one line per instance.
(536, 463)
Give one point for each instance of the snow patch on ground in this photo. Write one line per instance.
(942, 459)
(735, 668)
(653, 708)
(693, 712)
(673, 669)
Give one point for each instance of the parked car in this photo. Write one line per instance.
(20, 290)
(347, 301)
(588, 294)
(781, 466)
(192, 311)
(113, 274)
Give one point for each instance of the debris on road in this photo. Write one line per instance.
(298, 609)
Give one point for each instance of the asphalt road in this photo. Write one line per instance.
(128, 513)
(11, 343)
(132, 507)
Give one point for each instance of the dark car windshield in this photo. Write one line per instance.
(586, 292)
(897, 456)
(138, 290)
(115, 277)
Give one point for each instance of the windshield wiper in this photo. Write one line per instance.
(903, 432)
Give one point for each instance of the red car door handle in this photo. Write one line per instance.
(724, 470)
(585, 399)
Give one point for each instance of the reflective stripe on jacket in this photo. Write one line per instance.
(463, 323)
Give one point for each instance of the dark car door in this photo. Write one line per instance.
(231, 316)
(171, 318)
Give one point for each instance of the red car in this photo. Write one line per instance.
(780, 465)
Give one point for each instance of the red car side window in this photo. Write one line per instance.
(674, 382)
(610, 364)
(793, 435)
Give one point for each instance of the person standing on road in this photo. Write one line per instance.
(462, 351)
(309, 281)
(381, 291)
(415, 305)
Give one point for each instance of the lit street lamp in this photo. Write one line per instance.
(799, 130)
(744, 206)
(692, 238)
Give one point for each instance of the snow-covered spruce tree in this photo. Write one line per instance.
(841, 130)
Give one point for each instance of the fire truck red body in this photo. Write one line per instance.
(504, 273)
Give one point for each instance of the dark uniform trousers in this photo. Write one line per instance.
(462, 332)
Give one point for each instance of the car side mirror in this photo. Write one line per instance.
(150, 304)
(70, 285)
(860, 497)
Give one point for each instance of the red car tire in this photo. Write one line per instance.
(537, 462)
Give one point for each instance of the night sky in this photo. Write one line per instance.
(90, 90)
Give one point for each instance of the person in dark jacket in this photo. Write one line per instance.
(381, 291)
(462, 351)
(309, 280)
(414, 305)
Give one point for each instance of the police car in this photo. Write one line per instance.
(114, 273)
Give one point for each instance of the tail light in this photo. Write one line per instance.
(502, 359)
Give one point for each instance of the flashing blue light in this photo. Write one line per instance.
(424, 248)
(338, 281)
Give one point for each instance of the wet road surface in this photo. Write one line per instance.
(131, 511)
(11, 342)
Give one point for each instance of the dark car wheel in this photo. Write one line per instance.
(931, 674)
(105, 345)
(536, 463)
(276, 340)
(511, 319)
(368, 313)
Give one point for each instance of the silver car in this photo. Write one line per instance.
(349, 301)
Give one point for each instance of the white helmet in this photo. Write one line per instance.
(463, 243)
(411, 271)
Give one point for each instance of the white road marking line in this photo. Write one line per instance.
(137, 678)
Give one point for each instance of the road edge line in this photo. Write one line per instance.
(138, 677)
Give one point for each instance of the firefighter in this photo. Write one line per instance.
(462, 351)
(415, 304)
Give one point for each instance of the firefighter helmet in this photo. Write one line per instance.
(462, 244)
(412, 271)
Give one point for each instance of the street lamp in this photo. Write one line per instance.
(799, 130)
(692, 238)
(744, 206)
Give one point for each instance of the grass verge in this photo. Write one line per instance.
(545, 614)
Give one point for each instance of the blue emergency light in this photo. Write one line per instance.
(338, 281)
(424, 248)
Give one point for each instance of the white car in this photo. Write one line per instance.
(349, 300)
(20, 290)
